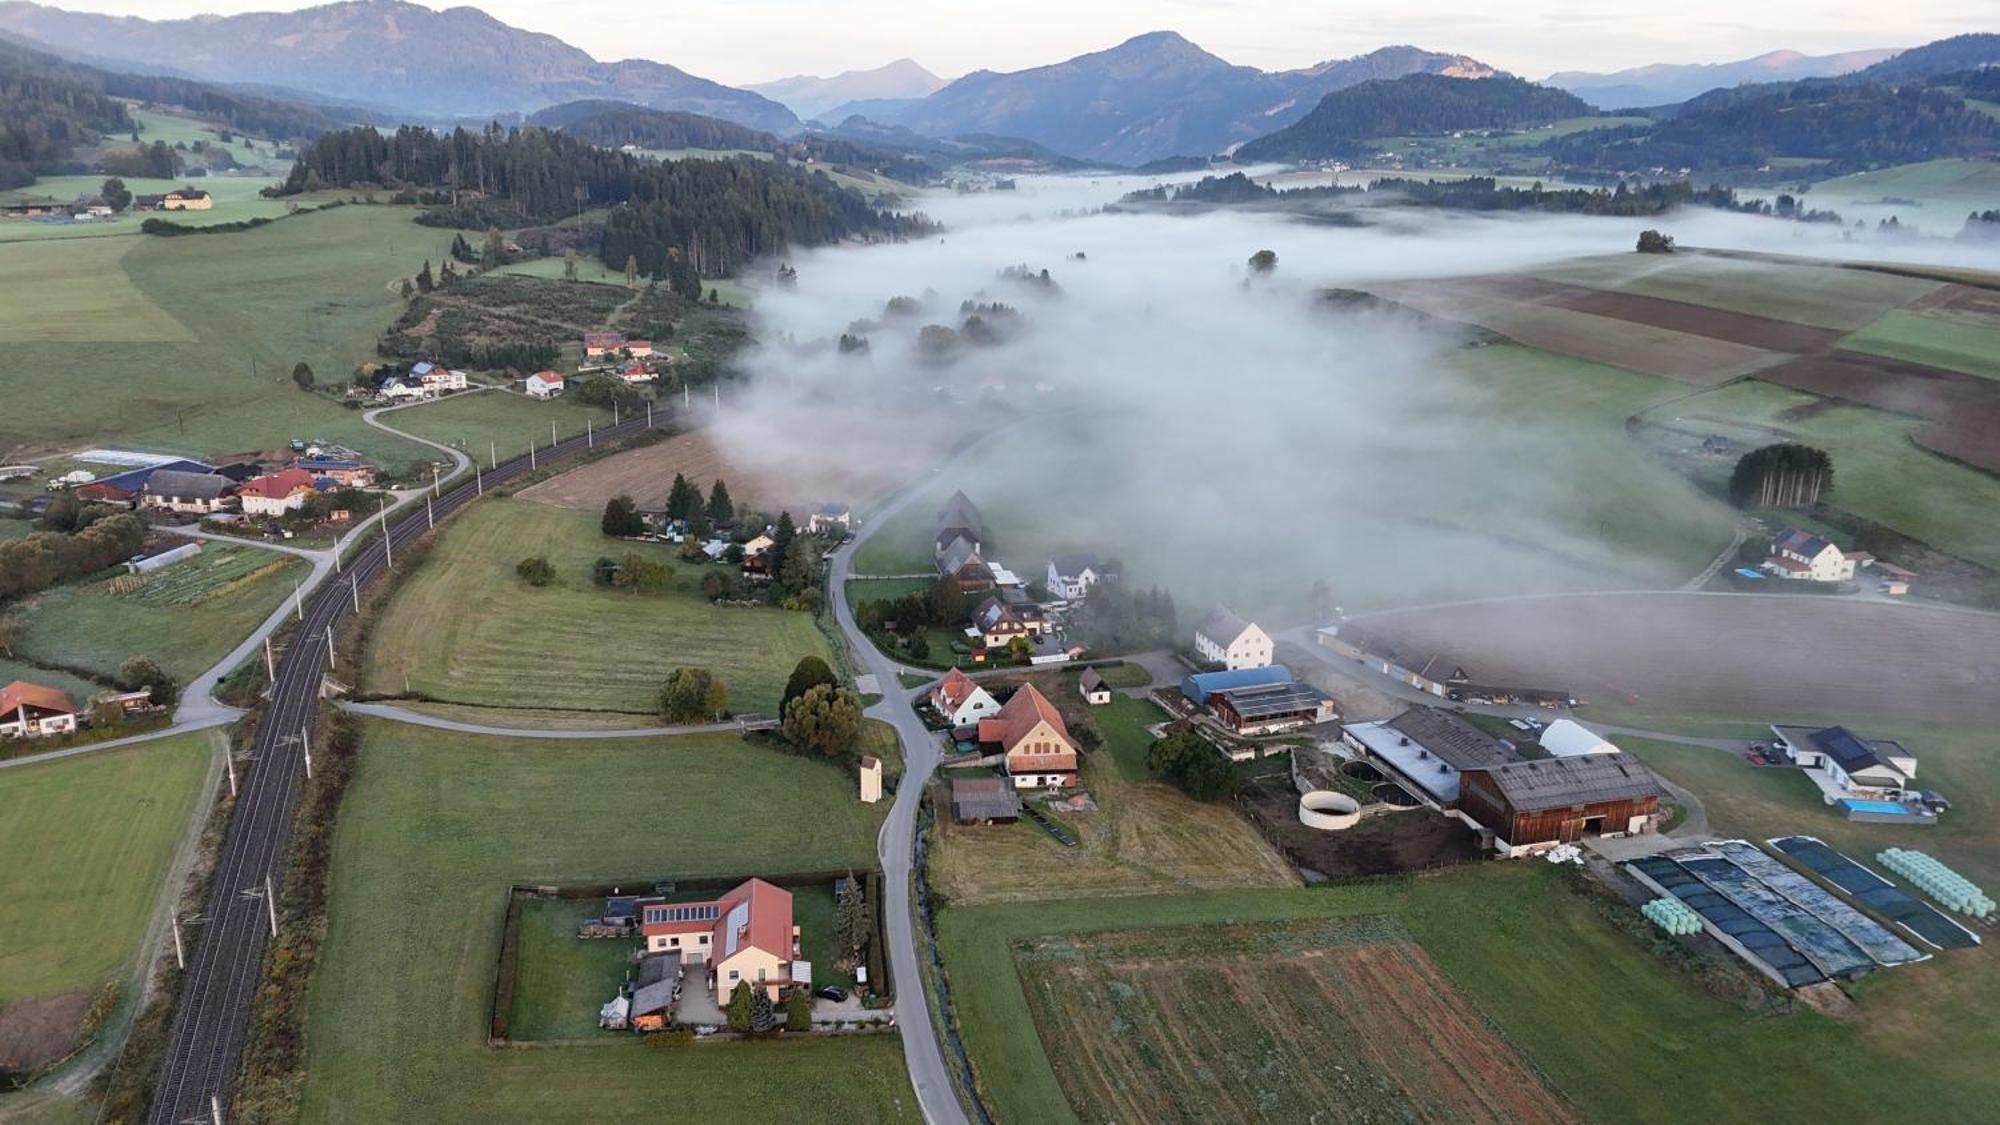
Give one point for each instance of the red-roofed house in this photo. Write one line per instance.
(544, 384)
(602, 343)
(746, 935)
(961, 701)
(35, 710)
(638, 349)
(1030, 731)
(274, 495)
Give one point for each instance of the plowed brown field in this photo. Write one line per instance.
(1327, 1020)
(773, 460)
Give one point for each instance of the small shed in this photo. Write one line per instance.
(1095, 691)
(871, 779)
(984, 800)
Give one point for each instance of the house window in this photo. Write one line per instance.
(673, 943)
(732, 975)
(760, 974)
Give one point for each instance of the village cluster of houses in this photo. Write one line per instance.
(606, 353)
(1008, 613)
(1802, 556)
(424, 380)
(89, 208)
(251, 485)
(31, 710)
(1520, 805)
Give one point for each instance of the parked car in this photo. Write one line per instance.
(832, 992)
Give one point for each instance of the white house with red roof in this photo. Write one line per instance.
(746, 935)
(277, 493)
(544, 384)
(961, 701)
(36, 711)
(1813, 558)
(1030, 732)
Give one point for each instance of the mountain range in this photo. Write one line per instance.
(1426, 104)
(1152, 96)
(810, 96)
(1667, 83)
(452, 63)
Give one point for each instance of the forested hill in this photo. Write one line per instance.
(46, 115)
(614, 124)
(1846, 124)
(1415, 104)
(671, 217)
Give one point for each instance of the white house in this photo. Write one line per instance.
(404, 389)
(831, 519)
(1226, 639)
(35, 710)
(277, 493)
(961, 701)
(1801, 555)
(1072, 576)
(1854, 765)
(544, 384)
(437, 379)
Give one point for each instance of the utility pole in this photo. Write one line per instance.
(716, 389)
(270, 668)
(614, 412)
(684, 398)
(531, 456)
(434, 478)
(589, 435)
(270, 906)
(298, 600)
(305, 745)
(388, 547)
(430, 519)
(215, 1109)
(492, 454)
(354, 588)
(180, 954)
(229, 760)
(336, 556)
(478, 480)
(649, 414)
(552, 433)
(329, 647)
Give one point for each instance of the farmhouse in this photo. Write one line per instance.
(347, 474)
(35, 711)
(1092, 687)
(830, 519)
(602, 343)
(1804, 556)
(1428, 749)
(276, 494)
(190, 493)
(984, 800)
(544, 384)
(639, 349)
(1433, 672)
(1848, 763)
(636, 372)
(1072, 576)
(126, 487)
(961, 701)
(961, 563)
(959, 519)
(997, 623)
(1535, 805)
(1029, 730)
(1223, 638)
(436, 379)
(746, 935)
(186, 199)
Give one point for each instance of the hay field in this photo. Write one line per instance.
(433, 829)
(1795, 654)
(84, 847)
(1824, 296)
(773, 460)
(1204, 1024)
(464, 629)
(1956, 341)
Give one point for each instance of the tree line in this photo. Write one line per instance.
(1345, 121)
(74, 541)
(711, 215)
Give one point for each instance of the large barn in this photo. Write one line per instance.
(1533, 805)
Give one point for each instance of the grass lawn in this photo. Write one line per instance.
(1123, 723)
(1879, 473)
(1126, 675)
(1530, 955)
(1962, 342)
(186, 617)
(1606, 518)
(83, 849)
(589, 269)
(563, 980)
(464, 629)
(495, 423)
(434, 828)
(187, 344)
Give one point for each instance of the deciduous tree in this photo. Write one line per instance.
(810, 672)
(693, 695)
(536, 571)
(825, 720)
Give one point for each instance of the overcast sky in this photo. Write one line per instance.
(741, 41)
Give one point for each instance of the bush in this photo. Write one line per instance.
(536, 571)
(1185, 760)
(693, 695)
(799, 1011)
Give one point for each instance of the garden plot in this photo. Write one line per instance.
(1317, 1019)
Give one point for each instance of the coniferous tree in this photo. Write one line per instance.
(682, 498)
(721, 510)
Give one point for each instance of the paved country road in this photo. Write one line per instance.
(197, 1075)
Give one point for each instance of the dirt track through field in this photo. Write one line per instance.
(1276, 1022)
(1779, 654)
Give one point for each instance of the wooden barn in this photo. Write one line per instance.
(1534, 805)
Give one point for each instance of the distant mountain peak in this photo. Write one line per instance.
(1669, 83)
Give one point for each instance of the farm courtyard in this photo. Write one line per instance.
(464, 629)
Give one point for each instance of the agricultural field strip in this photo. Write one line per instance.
(1191, 1024)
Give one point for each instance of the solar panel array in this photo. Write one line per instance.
(1877, 893)
(689, 912)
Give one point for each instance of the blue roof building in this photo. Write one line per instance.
(1199, 686)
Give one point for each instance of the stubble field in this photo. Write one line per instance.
(1210, 1023)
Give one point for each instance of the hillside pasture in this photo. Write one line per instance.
(465, 629)
(1963, 410)
(84, 850)
(1958, 342)
(186, 617)
(1797, 292)
(237, 198)
(434, 828)
(1202, 1024)
(1938, 193)
(186, 345)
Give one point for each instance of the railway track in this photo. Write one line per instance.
(196, 1081)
